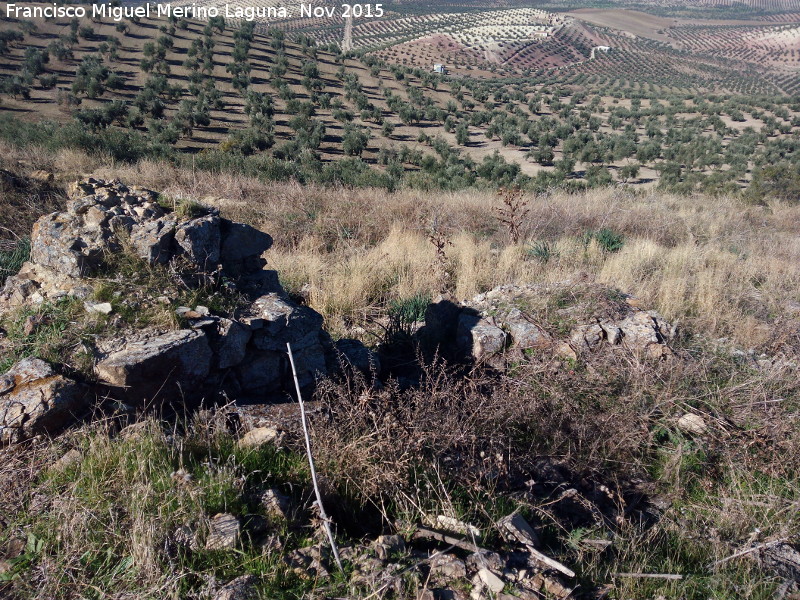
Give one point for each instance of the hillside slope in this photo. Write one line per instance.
(218, 93)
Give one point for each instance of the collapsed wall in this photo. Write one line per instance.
(240, 354)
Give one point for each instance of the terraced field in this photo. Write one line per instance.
(525, 94)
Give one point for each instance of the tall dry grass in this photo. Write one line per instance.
(721, 266)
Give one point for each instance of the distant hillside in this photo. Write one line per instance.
(280, 105)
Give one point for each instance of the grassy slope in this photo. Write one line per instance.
(720, 267)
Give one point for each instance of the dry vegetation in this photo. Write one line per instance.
(587, 450)
(644, 113)
(720, 266)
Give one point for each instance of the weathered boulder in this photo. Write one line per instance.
(524, 332)
(242, 247)
(153, 240)
(478, 337)
(33, 283)
(57, 243)
(441, 320)
(199, 242)
(276, 322)
(34, 399)
(262, 372)
(152, 364)
(231, 346)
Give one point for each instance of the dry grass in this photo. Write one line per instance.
(720, 266)
(106, 524)
(581, 451)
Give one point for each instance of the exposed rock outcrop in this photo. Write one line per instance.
(146, 367)
(243, 352)
(104, 218)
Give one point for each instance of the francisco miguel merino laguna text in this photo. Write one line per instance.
(191, 11)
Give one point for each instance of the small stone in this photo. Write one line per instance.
(259, 436)
(103, 308)
(31, 324)
(516, 528)
(41, 176)
(70, 459)
(386, 545)
(276, 504)
(182, 477)
(692, 424)
(307, 563)
(241, 588)
(15, 547)
(455, 526)
(448, 567)
(555, 588)
(224, 534)
(203, 322)
(184, 536)
(491, 581)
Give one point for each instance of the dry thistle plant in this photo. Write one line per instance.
(514, 210)
(440, 241)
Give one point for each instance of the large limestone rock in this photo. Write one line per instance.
(155, 365)
(33, 283)
(152, 240)
(355, 355)
(199, 240)
(34, 400)
(242, 247)
(57, 244)
(231, 347)
(479, 337)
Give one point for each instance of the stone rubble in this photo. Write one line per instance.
(242, 354)
(509, 321)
